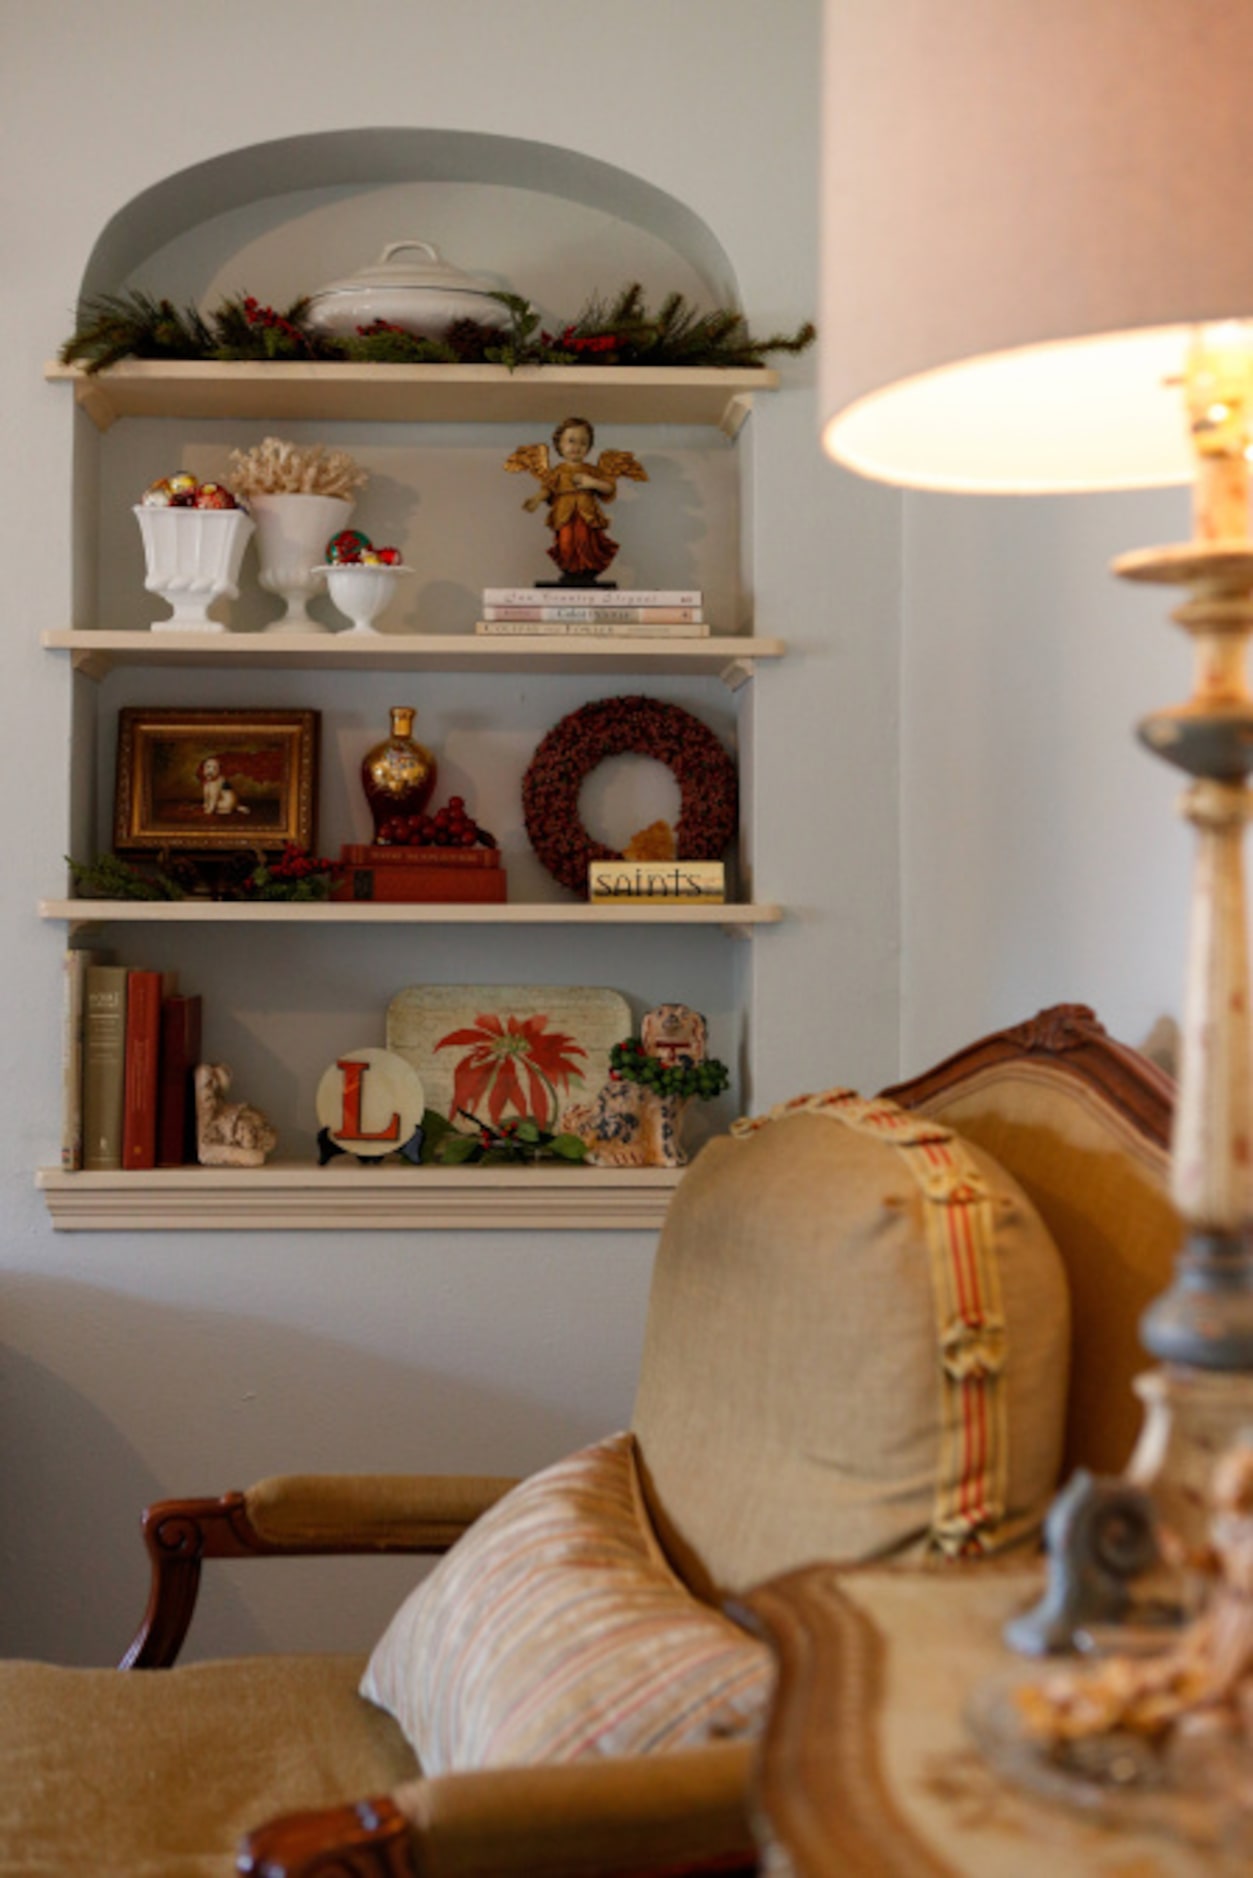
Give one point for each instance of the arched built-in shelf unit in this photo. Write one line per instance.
(433, 439)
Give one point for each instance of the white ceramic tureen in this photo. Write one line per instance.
(422, 293)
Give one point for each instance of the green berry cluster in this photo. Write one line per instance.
(629, 1063)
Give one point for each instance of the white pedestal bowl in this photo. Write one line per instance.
(193, 558)
(362, 593)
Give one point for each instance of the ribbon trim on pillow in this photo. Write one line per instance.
(972, 1480)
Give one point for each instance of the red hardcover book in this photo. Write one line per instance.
(451, 875)
(176, 1104)
(139, 1090)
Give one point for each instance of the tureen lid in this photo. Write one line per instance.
(431, 271)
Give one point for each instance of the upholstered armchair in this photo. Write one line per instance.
(841, 1294)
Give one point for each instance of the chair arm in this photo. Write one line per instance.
(614, 1818)
(369, 1512)
(287, 1516)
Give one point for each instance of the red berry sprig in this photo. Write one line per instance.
(268, 318)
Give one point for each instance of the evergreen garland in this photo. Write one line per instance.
(112, 878)
(616, 331)
(628, 1062)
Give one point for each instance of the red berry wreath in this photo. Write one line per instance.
(572, 749)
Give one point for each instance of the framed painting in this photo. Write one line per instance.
(215, 780)
(507, 1052)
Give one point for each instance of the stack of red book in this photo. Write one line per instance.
(374, 872)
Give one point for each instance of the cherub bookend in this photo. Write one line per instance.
(636, 1119)
(574, 488)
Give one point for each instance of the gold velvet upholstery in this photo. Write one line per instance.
(156, 1774)
(390, 1510)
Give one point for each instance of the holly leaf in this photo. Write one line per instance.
(568, 1147)
(435, 1129)
(457, 1148)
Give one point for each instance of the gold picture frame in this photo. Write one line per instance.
(215, 781)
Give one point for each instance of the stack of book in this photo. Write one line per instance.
(131, 1046)
(594, 612)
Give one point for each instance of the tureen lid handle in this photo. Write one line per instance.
(397, 247)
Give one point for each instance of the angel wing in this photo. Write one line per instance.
(529, 456)
(618, 463)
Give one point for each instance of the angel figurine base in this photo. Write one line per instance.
(579, 583)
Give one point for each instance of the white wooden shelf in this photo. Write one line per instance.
(729, 656)
(345, 1197)
(735, 918)
(415, 394)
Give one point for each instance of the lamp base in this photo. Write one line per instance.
(1205, 1320)
(1191, 1417)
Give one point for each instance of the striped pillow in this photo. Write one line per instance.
(556, 1630)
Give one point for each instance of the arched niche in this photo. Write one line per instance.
(282, 218)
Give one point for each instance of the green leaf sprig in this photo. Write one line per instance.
(507, 1145)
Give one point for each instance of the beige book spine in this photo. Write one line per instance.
(74, 999)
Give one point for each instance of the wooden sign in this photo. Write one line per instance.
(656, 882)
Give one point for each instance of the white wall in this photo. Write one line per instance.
(138, 1366)
(1042, 860)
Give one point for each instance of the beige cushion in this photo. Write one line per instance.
(1101, 1188)
(856, 1346)
(555, 1631)
(157, 1773)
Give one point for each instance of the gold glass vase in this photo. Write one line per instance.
(398, 775)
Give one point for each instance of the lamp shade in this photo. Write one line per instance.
(1027, 205)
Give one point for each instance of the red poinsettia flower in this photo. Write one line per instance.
(512, 1063)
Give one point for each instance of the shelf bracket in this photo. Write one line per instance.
(92, 398)
(734, 413)
(93, 665)
(737, 672)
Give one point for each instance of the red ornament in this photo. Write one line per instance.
(215, 496)
(347, 547)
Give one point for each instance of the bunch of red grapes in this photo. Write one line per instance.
(449, 827)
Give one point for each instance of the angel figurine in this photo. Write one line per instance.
(581, 544)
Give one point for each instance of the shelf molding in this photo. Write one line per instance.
(293, 1197)
(732, 657)
(80, 914)
(415, 394)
